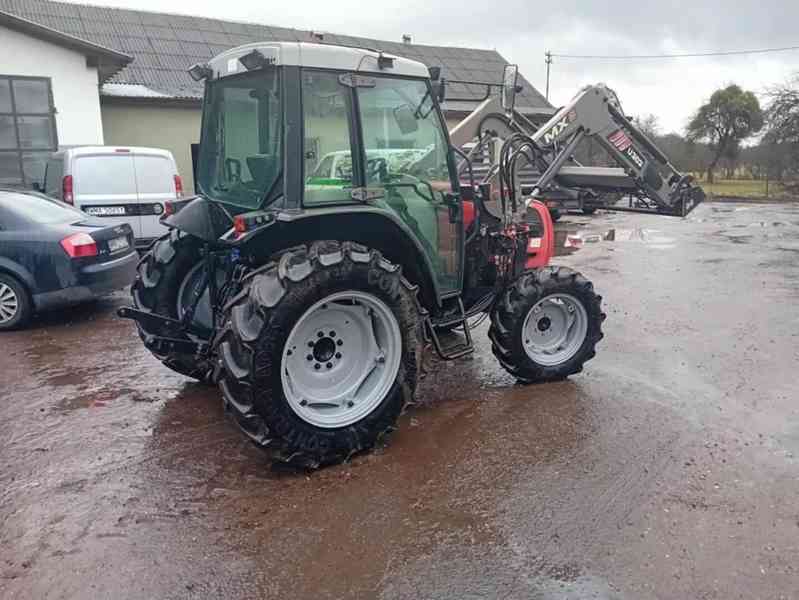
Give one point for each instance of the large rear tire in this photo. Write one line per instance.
(546, 324)
(157, 288)
(320, 352)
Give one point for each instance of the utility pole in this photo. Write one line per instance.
(548, 54)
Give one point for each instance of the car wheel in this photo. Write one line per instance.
(15, 303)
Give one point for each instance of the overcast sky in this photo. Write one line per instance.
(522, 30)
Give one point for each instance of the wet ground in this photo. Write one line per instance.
(667, 469)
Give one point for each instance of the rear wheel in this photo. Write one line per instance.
(15, 303)
(167, 276)
(321, 352)
(546, 325)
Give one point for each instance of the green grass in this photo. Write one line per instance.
(746, 188)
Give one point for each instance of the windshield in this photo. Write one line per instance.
(241, 152)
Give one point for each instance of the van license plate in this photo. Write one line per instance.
(117, 244)
(105, 211)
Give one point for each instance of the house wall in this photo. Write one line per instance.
(74, 85)
(173, 128)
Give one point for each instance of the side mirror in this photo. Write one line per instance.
(437, 83)
(509, 87)
(439, 90)
(406, 119)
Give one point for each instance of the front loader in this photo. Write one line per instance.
(336, 232)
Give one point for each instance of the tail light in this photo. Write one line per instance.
(178, 187)
(79, 245)
(66, 190)
(239, 225)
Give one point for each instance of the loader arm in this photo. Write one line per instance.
(644, 174)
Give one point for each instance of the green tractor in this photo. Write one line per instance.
(332, 238)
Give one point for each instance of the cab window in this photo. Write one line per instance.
(328, 156)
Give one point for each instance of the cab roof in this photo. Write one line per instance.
(322, 56)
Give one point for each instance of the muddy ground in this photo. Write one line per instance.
(667, 469)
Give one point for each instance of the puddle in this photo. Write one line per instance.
(571, 239)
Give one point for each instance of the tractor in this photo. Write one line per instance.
(338, 232)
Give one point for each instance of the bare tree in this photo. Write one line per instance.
(782, 118)
(649, 124)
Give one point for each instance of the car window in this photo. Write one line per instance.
(53, 174)
(111, 174)
(31, 209)
(154, 175)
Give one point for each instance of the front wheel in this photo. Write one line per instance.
(321, 352)
(546, 324)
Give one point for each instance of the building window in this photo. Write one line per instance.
(27, 129)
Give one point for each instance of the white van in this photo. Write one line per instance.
(118, 184)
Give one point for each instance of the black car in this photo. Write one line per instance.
(53, 255)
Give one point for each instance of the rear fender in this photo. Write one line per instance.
(18, 271)
(541, 250)
(373, 228)
(201, 218)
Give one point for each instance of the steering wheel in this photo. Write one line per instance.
(376, 169)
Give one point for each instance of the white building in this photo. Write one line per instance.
(49, 95)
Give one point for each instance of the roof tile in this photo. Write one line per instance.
(165, 45)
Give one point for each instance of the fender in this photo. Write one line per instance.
(379, 229)
(201, 218)
(540, 255)
(19, 272)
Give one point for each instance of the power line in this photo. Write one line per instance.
(686, 55)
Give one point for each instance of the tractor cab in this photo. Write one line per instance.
(303, 130)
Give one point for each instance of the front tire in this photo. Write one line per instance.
(546, 324)
(159, 283)
(321, 352)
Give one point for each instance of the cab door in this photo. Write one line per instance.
(407, 155)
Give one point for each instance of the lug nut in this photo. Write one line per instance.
(339, 343)
(338, 354)
(332, 334)
(309, 357)
(381, 359)
(320, 335)
(303, 402)
(350, 404)
(310, 344)
(329, 365)
(317, 366)
(288, 352)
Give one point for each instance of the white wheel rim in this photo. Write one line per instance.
(555, 329)
(9, 303)
(341, 359)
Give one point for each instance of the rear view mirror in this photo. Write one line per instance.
(406, 119)
(509, 88)
(439, 90)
